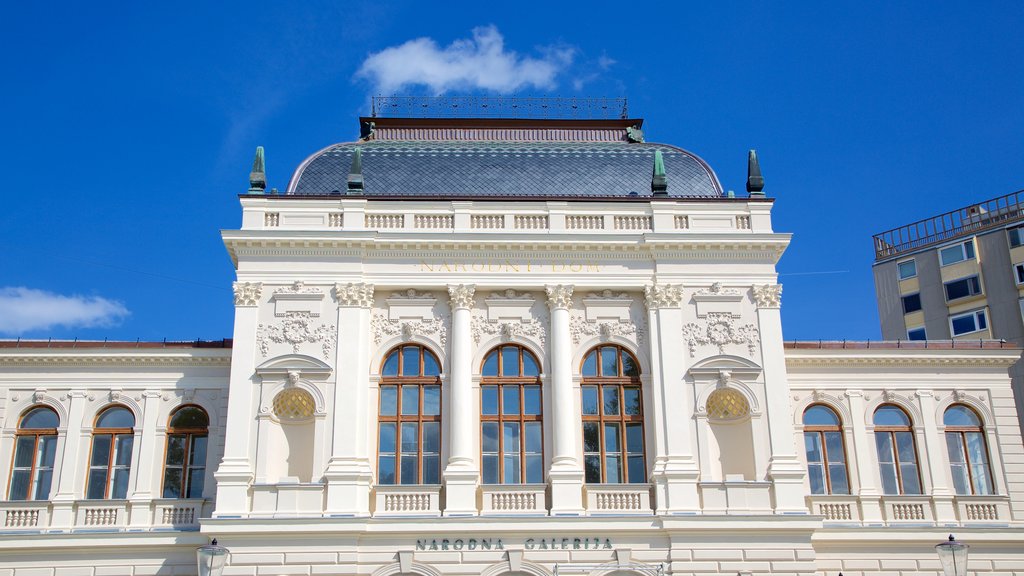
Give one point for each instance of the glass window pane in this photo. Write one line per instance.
(511, 439)
(39, 419)
(116, 417)
(816, 475)
(386, 442)
(982, 480)
(97, 483)
(44, 480)
(905, 447)
(48, 450)
(175, 450)
(432, 437)
(391, 365)
(969, 248)
(609, 361)
(613, 469)
(123, 449)
(490, 439)
(812, 446)
(410, 400)
(636, 472)
(489, 400)
(430, 365)
(172, 482)
(960, 416)
(411, 361)
(963, 324)
(510, 361)
(635, 438)
(981, 321)
(590, 405)
(911, 482)
(388, 400)
(410, 438)
(100, 450)
(491, 364)
(611, 438)
(490, 470)
(629, 367)
(190, 417)
(530, 367)
(590, 365)
(386, 470)
(19, 485)
(834, 448)
(534, 437)
(531, 400)
(510, 400)
(883, 446)
(907, 269)
(591, 437)
(592, 465)
(119, 488)
(819, 415)
(196, 482)
(25, 452)
(951, 254)
(960, 479)
(631, 401)
(431, 469)
(610, 396)
(409, 471)
(888, 472)
(891, 416)
(431, 400)
(534, 469)
(954, 447)
(837, 474)
(511, 469)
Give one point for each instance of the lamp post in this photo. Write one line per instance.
(211, 559)
(953, 556)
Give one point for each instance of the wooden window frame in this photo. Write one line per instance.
(38, 433)
(891, 431)
(961, 433)
(620, 382)
(820, 430)
(521, 382)
(113, 433)
(189, 434)
(419, 418)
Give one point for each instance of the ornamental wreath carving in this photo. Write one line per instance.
(295, 330)
(579, 328)
(719, 329)
(381, 326)
(663, 295)
(768, 295)
(533, 328)
(354, 294)
(247, 293)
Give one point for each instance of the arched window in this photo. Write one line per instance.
(826, 452)
(111, 457)
(897, 452)
(968, 451)
(613, 417)
(409, 433)
(35, 448)
(511, 417)
(185, 464)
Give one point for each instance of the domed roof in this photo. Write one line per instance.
(407, 163)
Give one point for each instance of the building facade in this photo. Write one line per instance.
(507, 347)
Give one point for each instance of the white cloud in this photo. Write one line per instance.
(480, 62)
(25, 309)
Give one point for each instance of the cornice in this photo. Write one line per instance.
(902, 359)
(115, 359)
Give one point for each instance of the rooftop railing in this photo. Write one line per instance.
(962, 222)
(499, 107)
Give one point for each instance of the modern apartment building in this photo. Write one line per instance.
(956, 276)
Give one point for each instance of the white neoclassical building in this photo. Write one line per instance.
(505, 347)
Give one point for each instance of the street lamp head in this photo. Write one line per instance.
(211, 559)
(953, 557)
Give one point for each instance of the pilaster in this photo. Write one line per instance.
(867, 471)
(566, 473)
(349, 474)
(143, 483)
(62, 516)
(785, 470)
(461, 475)
(935, 446)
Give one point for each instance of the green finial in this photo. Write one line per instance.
(258, 176)
(755, 182)
(355, 173)
(659, 182)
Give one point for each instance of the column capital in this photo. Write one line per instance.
(663, 295)
(247, 293)
(354, 294)
(461, 295)
(559, 295)
(768, 295)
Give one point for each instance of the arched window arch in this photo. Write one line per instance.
(111, 456)
(826, 451)
(613, 417)
(968, 451)
(34, 451)
(185, 462)
(511, 417)
(897, 451)
(409, 419)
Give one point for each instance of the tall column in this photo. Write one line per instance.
(566, 474)
(143, 481)
(349, 473)
(461, 474)
(675, 472)
(72, 464)
(934, 450)
(236, 468)
(785, 470)
(863, 451)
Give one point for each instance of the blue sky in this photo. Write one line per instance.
(128, 130)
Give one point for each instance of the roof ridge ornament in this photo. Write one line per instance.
(755, 182)
(258, 175)
(355, 173)
(659, 182)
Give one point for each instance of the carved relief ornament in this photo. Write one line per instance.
(295, 330)
(354, 294)
(559, 296)
(462, 295)
(719, 329)
(533, 328)
(579, 327)
(381, 326)
(768, 295)
(298, 287)
(247, 293)
(663, 295)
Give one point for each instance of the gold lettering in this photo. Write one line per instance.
(576, 267)
(510, 267)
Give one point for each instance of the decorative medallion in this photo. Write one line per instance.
(663, 295)
(247, 293)
(381, 326)
(719, 329)
(768, 295)
(354, 294)
(295, 330)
